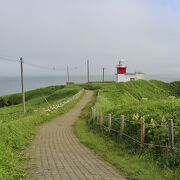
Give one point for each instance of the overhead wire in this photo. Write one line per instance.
(77, 67)
(8, 59)
(44, 67)
(53, 68)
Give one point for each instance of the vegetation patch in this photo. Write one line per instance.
(133, 165)
(156, 102)
(17, 130)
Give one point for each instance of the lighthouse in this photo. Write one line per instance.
(123, 76)
(121, 67)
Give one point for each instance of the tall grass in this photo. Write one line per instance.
(16, 133)
(131, 164)
(153, 100)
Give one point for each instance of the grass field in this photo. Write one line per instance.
(157, 102)
(154, 100)
(17, 130)
(132, 165)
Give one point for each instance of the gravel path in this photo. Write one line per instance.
(57, 154)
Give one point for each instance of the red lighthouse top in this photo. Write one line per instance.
(121, 67)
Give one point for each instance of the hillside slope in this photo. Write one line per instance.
(157, 102)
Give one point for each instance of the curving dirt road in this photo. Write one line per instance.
(57, 154)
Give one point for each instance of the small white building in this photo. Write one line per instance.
(123, 76)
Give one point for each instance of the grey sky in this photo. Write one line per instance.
(146, 33)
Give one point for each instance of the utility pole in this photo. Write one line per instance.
(68, 74)
(88, 71)
(103, 74)
(22, 86)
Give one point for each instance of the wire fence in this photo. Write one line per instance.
(122, 127)
(50, 107)
(55, 106)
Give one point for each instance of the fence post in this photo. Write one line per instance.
(101, 119)
(97, 118)
(98, 93)
(142, 132)
(171, 135)
(109, 123)
(93, 114)
(121, 126)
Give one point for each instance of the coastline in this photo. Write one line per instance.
(11, 84)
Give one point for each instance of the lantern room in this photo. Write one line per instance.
(121, 67)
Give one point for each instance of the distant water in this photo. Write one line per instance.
(10, 85)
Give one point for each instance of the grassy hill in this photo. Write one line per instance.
(144, 97)
(156, 101)
(152, 99)
(17, 129)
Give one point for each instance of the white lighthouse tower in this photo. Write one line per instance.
(123, 76)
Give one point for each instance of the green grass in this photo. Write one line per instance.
(13, 99)
(132, 165)
(148, 99)
(17, 132)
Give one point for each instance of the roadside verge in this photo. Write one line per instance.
(132, 165)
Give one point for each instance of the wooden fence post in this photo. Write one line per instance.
(121, 126)
(101, 119)
(142, 132)
(97, 118)
(171, 135)
(95, 113)
(109, 123)
(98, 93)
(92, 114)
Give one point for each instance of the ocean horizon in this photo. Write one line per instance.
(10, 84)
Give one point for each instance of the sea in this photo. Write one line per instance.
(9, 85)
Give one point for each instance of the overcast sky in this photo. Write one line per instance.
(146, 33)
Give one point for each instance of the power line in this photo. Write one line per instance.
(78, 67)
(45, 67)
(54, 68)
(42, 66)
(31, 64)
(9, 60)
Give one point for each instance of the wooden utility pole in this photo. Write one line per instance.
(22, 86)
(88, 71)
(68, 79)
(103, 74)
